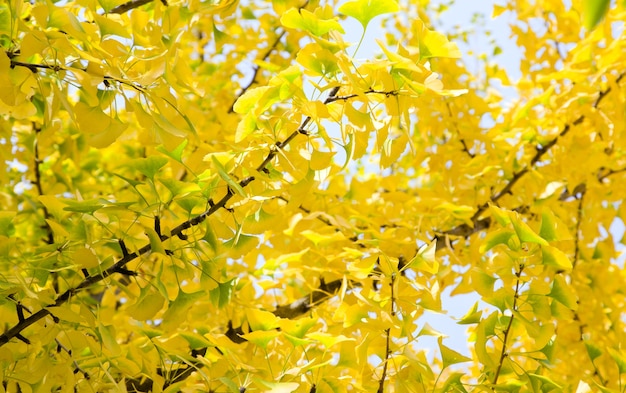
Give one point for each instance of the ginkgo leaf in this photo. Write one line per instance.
(556, 258)
(246, 127)
(620, 359)
(322, 239)
(594, 11)
(552, 228)
(500, 236)
(564, 293)
(177, 309)
(147, 305)
(593, 350)
(226, 177)
(366, 10)
(279, 387)
(524, 232)
(435, 44)
(86, 258)
(148, 166)
(261, 320)
(501, 215)
(425, 259)
(472, 316)
(261, 337)
(450, 356)
(304, 19)
(177, 153)
(328, 340)
(251, 99)
(221, 294)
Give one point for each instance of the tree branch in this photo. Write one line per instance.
(123, 8)
(119, 266)
(33, 67)
(46, 213)
(507, 331)
(539, 153)
(383, 377)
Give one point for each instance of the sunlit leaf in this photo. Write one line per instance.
(450, 356)
(366, 10)
(556, 258)
(306, 20)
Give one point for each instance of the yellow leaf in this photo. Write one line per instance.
(322, 240)
(86, 258)
(328, 340)
(321, 160)
(556, 258)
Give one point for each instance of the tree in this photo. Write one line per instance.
(222, 196)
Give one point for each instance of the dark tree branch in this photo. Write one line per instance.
(46, 213)
(33, 67)
(291, 310)
(119, 266)
(541, 150)
(123, 8)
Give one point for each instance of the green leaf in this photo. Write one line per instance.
(594, 11)
(454, 383)
(261, 320)
(620, 360)
(6, 223)
(177, 310)
(501, 215)
(251, 99)
(472, 316)
(156, 244)
(303, 19)
(524, 232)
(563, 293)
(556, 258)
(149, 166)
(220, 295)
(543, 381)
(500, 236)
(246, 127)
(553, 229)
(88, 207)
(366, 10)
(177, 153)
(261, 337)
(593, 350)
(226, 177)
(195, 340)
(425, 259)
(450, 356)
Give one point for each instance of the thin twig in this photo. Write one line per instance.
(33, 67)
(392, 305)
(507, 331)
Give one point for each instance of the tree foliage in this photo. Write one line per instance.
(213, 195)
